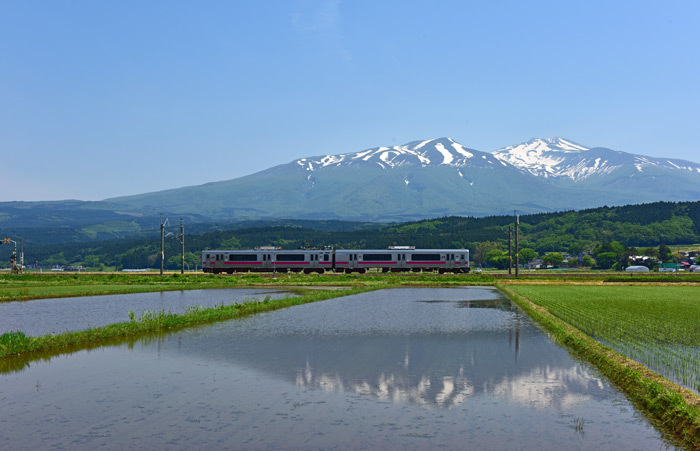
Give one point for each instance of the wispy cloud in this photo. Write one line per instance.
(318, 17)
(321, 20)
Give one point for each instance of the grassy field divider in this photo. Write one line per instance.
(676, 409)
(17, 343)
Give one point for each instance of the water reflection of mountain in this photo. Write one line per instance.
(497, 351)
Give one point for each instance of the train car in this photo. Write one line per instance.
(399, 259)
(266, 260)
(394, 259)
(359, 260)
(442, 260)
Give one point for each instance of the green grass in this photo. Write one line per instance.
(16, 342)
(658, 326)
(673, 408)
(36, 286)
(24, 287)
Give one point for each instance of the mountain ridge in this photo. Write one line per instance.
(418, 180)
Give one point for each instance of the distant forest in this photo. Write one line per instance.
(633, 225)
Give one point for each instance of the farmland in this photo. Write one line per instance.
(653, 322)
(658, 326)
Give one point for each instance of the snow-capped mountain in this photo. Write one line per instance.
(431, 152)
(558, 157)
(436, 177)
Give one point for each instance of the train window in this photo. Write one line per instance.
(376, 257)
(290, 257)
(325, 258)
(425, 257)
(242, 258)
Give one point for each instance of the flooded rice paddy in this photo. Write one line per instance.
(45, 316)
(391, 369)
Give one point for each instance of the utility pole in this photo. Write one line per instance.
(182, 240)
(162, 244)
(517, 248)
(510, 253)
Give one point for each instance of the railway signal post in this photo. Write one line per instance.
(16, 269)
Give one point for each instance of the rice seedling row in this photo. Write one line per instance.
(658, 326)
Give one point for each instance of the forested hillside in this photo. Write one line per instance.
(633, 225)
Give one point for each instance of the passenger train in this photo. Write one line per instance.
(393, 259)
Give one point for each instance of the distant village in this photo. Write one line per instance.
(686, 261)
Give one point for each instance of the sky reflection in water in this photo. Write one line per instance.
(400, 368)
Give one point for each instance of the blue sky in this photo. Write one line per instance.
(101, 99)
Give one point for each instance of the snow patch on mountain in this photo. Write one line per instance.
(430, 152)
(447, 156)
(461, 150)
(561, 158)
(546, 158)
(555, 157)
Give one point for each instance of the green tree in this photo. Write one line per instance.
(91, 261)
(605, 260)
(527, 255)
(497, 259)
(553, 258)
(231, 243)
(483, 249)
(587, 261)
(56, 259)
(193, 260)
(576, 248)
(173, 262)
(652, 252)
(664, 252)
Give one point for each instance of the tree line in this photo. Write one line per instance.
(619, 230)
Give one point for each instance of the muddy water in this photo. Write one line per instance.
(44, 316)
(395, 369)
